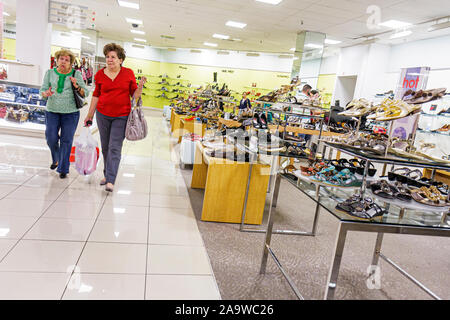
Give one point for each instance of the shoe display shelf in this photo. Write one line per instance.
(22, 110)
(228, 189)
(410, 219)
(400, 218)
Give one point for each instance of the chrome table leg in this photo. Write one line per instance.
(336, 262)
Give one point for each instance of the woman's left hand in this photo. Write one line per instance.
(142, 82)
(74, 81)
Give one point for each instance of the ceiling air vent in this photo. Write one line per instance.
(196, 51)
(285, 56)
(167, 37)
(252, 54)
(223, 52)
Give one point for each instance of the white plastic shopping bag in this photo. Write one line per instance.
(86, 153)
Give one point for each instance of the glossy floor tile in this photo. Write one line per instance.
(60, 229)
(167, 259)
(181, 287)
(113, 258)
(105, 287)
(70, 239)
(32, 285)
(42, 256)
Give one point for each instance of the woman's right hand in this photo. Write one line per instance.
(47, 93)
(88, 121)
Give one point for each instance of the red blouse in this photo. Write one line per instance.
(114, 96)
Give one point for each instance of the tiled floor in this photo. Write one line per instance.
(69, 239)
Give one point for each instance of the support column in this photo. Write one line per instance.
(33, 35)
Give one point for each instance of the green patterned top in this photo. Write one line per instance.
(62, 100)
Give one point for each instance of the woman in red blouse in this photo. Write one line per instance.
(114, 85)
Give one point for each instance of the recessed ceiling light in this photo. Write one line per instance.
(209, 44)
(296, 58)
(127, 4)
(129, 20)
(119, 210)
(85, 37)
(137, 31)
(401, 34)
(138, 46)
(329, 41)
(90, 42)
(235, 24)
(6, 13)
(270, 1)
(395, 24)
(313, 46)
(76, 32)
(292, 49)
(220, 36)
(140, 40)
(238, 40)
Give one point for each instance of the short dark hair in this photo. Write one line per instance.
(314, 91)
(306, 87)
(116, 48)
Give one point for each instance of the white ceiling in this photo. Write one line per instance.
(269, 28)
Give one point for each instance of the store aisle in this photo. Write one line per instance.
(69, 239)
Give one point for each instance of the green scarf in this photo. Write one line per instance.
(62, 80)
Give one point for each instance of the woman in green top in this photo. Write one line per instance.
(61, 112)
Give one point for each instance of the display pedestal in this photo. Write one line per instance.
(225, 184)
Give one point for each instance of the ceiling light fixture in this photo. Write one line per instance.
(237, 40)
(220, 36)
(136, 21)
(85, 37)
(292, 49)
(235, 24)
(274, 2)
(209, 44)
(395, 24)
(76, 32)
(439, 26)
(401, 34)
(92, 43)
(138, 46)
(6, 13)
(127, 4)
(137, 31)
(140, 40)
(313, 46)
(329, 41)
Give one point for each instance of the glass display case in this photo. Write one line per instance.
(22, 109)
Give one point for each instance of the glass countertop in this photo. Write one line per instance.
(390, 159)
(416, 215)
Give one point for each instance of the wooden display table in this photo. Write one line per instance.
(225, 184)
(176, 124)
(442, 176)
(229, 123)
(191, 127)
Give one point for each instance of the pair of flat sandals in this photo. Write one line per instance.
(414, 178)
(330, 176)
(354, 165)
(387, 190)
(361, 208)
(430, 196)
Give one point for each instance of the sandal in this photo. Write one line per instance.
(382, 189)
(429, 196)
(396, 176)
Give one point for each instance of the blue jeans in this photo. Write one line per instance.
(60, 144)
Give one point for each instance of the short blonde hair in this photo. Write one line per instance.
(65, 52)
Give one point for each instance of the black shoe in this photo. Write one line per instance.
(54, 166)
(256, 122)
(63, 175)
(263, 120)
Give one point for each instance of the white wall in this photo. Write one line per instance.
(351, 59)
(329, 65)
